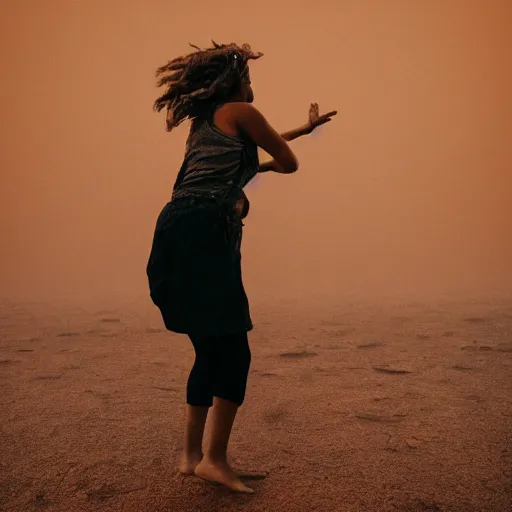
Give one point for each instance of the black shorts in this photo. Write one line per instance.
(194, 269)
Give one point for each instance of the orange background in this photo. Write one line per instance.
(408, 190)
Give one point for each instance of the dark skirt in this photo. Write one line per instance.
(194, 269)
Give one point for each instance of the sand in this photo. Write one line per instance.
(350, 407)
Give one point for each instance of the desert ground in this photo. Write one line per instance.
(351, 406)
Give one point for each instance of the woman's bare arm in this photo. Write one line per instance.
(250, 121)
(295, 134)
(272, 165)
(315, 120)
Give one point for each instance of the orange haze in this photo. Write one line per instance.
(407, 191)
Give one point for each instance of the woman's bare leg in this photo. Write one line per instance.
(214, 466)
(194, 431)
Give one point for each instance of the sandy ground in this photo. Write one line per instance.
(355, 407)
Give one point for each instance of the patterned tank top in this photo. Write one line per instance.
(216, 165)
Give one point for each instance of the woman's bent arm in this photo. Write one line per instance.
(250, 121)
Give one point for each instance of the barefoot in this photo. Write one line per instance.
(188, 463)
(221, 473)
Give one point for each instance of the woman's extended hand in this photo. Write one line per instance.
(315, 119)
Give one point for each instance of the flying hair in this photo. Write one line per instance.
(199, 81)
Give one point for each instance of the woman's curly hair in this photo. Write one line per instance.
(197, 82)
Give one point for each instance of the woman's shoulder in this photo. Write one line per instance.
(227, 118)
(235, 117)
(237, 108)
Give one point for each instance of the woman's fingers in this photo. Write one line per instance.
(316, 119)
(327, 116)
(323, 119)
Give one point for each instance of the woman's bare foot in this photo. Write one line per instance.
(221, 473)
(189, 462)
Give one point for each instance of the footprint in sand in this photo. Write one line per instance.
(29, 340)
(462, 368)
(41, 501)
(476, 319)
(448, 334)
(94, 331)
(337, 334)
(476, 348)
(418, 505)
(331, 323)
(392, 371)
(370, 345)
(275, 415)
(48, 377)
(298, 355)
(474, 398)
(423, 336)
(171, 390)
(72, 367)
(413, 443)
(98, 394)
(379, 418)
(106, 479)
(7, 362)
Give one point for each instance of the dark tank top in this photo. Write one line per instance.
(216, 165)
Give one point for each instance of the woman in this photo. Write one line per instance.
(194, 268)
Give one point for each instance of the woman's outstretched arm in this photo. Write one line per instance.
(253, 123)
(314, 120)
(295, 134)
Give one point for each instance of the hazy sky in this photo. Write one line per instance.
(407, 190)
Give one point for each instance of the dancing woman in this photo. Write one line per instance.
(194, 268)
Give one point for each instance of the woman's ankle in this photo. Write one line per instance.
(192, 453)
(216, 458)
